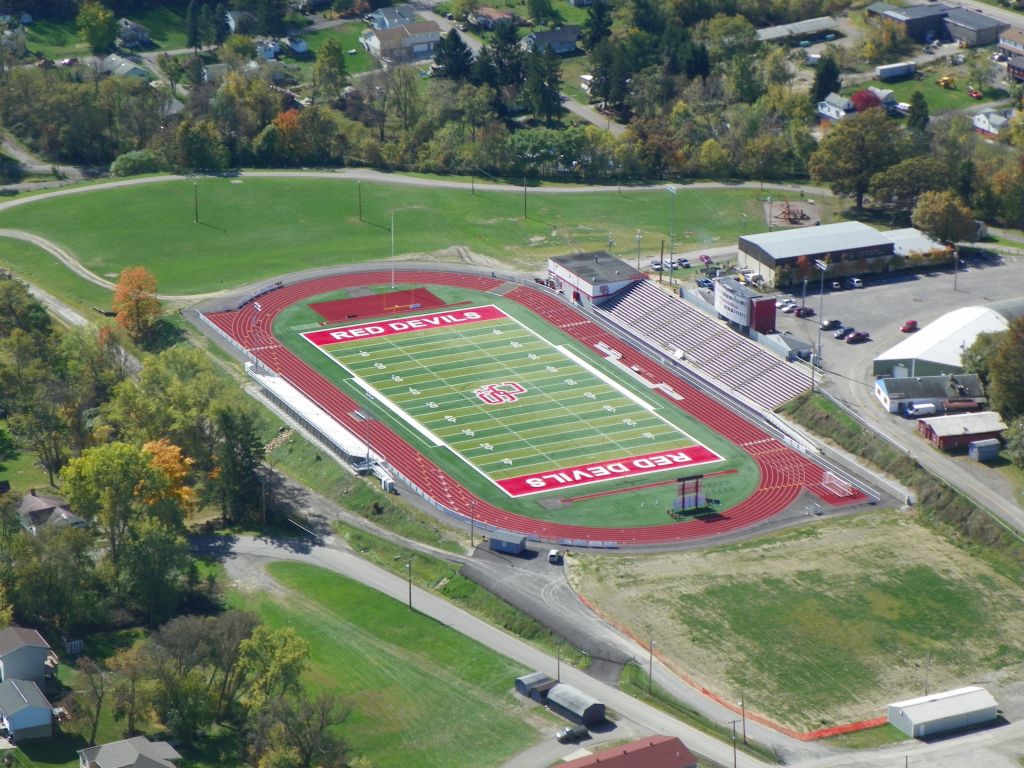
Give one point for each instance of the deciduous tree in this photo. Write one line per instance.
(330, 72)
(898, 187)
(135, 302)
(273, 660)
(854, 150)
(943, 216)
(97, 25)
(541, 91)
(131, 685)
(157, 567)
(94, 691)
(1006, 372)
(19, 309)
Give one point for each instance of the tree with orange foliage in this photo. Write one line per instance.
(168, 458)
(135, 302)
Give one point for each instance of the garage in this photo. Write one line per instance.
(938, 713)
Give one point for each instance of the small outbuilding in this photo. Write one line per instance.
(984, 450)
(575, 705)
(535, 686)
(592, 277)
(937, 713)
(24, 711)
(952, 433)
(506, 542)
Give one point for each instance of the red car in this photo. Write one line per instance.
(857, 337)
(909, 327)
(974, 93)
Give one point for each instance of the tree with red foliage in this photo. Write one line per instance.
(865, 99)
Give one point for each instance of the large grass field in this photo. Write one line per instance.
(638, 507)
(519, 410)
(422, 694)
(824, 624)
(257, 228)
(939, 99)
(35, 266)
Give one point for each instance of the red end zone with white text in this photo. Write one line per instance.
(617, 469)
(405, 325)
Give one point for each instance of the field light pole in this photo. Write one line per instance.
(637, 236)
(195, 201)
(672, 232)
(408, 570)
(392, 250)
(359, 195)
(815, 359)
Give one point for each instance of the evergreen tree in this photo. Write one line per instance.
(507, 55)
(192, 26)
(542, 86)
(598, 25)
(917, 115)
(454, 57)
(826, 79)
(238, 456)
(221, 30)
(207, 28)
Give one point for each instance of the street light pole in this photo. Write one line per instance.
(815, 359)
(637, 236)
(408, 568)
(743, 711)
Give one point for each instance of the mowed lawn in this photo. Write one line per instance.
(34, 265)
(421, 694)
(636, 508)
(252, 229)
(825, 624)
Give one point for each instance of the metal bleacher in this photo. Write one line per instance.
(736, 362)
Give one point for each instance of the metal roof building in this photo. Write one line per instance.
(937, 347)
(575, 704)
(951, 433)
(807, 28)
(941, 712)
(651, 752)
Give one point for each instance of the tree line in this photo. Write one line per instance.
(134, 450)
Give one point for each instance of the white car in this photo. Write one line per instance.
(903, 107)
(781, 303)
(790, 308)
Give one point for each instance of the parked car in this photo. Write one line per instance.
(842, 333)
(703, 282)
(656, 265)
(782, 302)
(829, 325)
(835, 285)
(572, 733)
(854, 282)
(902, 107)
(803, 312)
(554, 556)
(857, 337)
(789, 309)
(683, 263)
(974, 93)
(909, 327)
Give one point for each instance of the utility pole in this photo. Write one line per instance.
(195, 201)
(524, 198)
(637, 236)
(733, 723)
(816, 358)
(359, 194)
(650, 667)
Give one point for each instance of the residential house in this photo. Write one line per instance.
(835, 107)
(267, 49)
(297, 45)
(488, 18)
(649, 752)
(119, 66)
(25, 711)
(559, 41)
(1015, 69)
(581, 3)
(392, 17)
(216, 73)
(408, 43)
(992, 122)
(136, 752)
(24, 655)
(973, 28)
(241, 22)
(886, 100)
(36, 511)
(132, 35)
(1011, 42)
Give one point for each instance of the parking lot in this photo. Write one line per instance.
(886, 302)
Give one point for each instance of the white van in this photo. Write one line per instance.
(854, 282)
(917, 410)
(554, 556)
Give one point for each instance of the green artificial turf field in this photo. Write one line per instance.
(528, 415)
(638, 502)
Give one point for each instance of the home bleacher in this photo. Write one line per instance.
(737, 362)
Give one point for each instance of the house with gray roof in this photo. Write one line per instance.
(559, 41)
(36, 511)
(992, 122)
(835, 107)
(24, 654)
(119, 66)
(131, 34)
(392, 17)
(137, 752)
(24, 711)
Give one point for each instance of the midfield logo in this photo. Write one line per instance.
(496, 394)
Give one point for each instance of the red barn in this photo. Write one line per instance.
(652, 752)
(951, 433)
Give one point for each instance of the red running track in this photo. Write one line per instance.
(784, 472)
